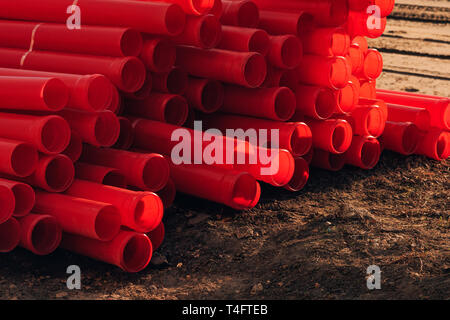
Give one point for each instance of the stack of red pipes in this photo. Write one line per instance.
(91, 113)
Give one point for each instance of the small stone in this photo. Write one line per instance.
(179, 265)
(256, 288)
(159, 259)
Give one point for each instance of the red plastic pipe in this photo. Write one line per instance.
(205, 95)
(359, 24)
(127, 73)
(366, 120)
(167, 194)
(435, 144)
(156, 136)
(368, 89)
(325, 12)
(356, 58)
(244, 40)
(40, 233)
(308, 157)
(174, 81)
(147, 171)
(326, 42)
(439, 107)
(375, 102)
(17, 158)
(300, 177)
(285, 51)
(92, 219)
(361, 41)
(139, 211)
(364, 152)
(54, 173)
(373, 64)
(296, 137)
(169, 108)
(414, 94)
(347, 97)
(238, 190)
(115, 103)
(144, 16)
(157, 236)
(100, 174)
(95, 40)
(244, 68)
(331, 72)
(279, 23)
(49, 134)
(327, 160)
(89, 92)
(241, 13)
(28, 93)
(158, 55)
(333, 135)
(401, 137)
(315, 102)
(7, 201)
(9, 235)
(98, 129)
(200, 31)
(142, 93)
(126, 136)
(270, 103)
(23, 195)
(130, 251)
(75, 147)
(419, 116)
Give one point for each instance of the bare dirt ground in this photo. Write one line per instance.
(315, 244)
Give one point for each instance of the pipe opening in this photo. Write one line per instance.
(339, 73)
(244, 191)
(176, 111)
(177, 81)
(24, 159)
(55, 94)
(373, 64)
(370, 153)
(441, 146)
(340, 43)
(131, 43)
(164, 55)
(148, 212)
(210, 32)
(340, 138)
(175, 20)
(9, 235)
(115, 178)
(55, 135)
(301, 140)
(291, 52)
(284, 104)
(255, 70)
(107, 223)
(259, 42)
(304, 22)
(45, 236)
(325, 103)
(7, 203)
(411, 139)
(24, 196)
(59, 173)
(301, 175)
(137, 253)
(132, 74)
(107, 129)
(248, 15)
(155, 173)
(282, 167)
(212, 96)
(99, 92)
(347, 97)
